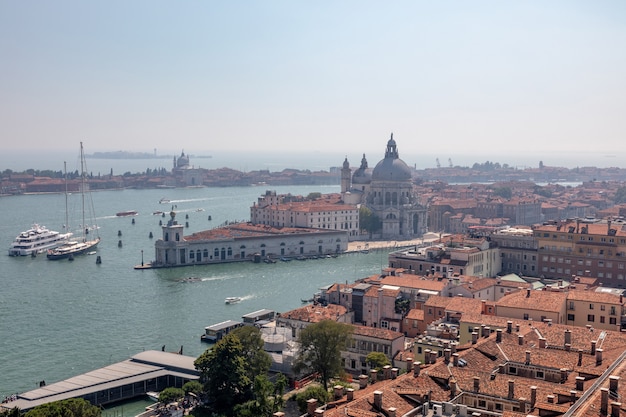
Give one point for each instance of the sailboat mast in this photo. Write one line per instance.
(82, 187)
(67, 224)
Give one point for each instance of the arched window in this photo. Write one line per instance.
(230, 251)
(167, 237)
(206, 253)
(216, 253)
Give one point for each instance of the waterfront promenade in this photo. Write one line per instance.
(357, 246)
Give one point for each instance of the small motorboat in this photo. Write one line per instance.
(232, 300)
(126, 213)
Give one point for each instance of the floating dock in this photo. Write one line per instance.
(147, 371)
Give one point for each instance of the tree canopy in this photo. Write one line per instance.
(74, 407)
(268, 398)
(368, 220)
(171, 394)
(377, 360)
(258, 361)
(320, 348)
(620, 195)
(224, 372)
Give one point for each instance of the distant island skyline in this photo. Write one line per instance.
(314, 160)
(136, 155)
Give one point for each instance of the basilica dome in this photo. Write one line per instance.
(183, 160)
(363, 174)
(392, 168)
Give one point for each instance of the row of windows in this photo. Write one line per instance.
(524, 267)
(586, 262)
(612, 310)
(517, 256)
(586, 238)
(591, 318)
(568, 271)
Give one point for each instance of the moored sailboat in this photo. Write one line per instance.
(82, 245)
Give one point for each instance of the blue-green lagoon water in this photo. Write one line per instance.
(61, 318)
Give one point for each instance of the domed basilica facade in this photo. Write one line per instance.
(388, 192)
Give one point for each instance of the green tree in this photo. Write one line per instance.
(320, 348)
(170, 395)
(193, 387)
(74, 407)
(504, 192)
(223, 370)
(13, 412)
(377, 360)
(258, 360)
(369, 221)
(314, 196)
(268, 398)
(314, 391)
(620, 195)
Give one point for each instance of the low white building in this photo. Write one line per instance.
(243, 242)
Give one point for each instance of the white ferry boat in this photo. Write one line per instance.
(37, 239)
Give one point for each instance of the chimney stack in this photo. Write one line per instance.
(476, 384)
(542, 342)
(446, 355)
(613, 383)
(455, 359)
(509, 326)
(580, 357)
(593, 347)
(338, 391)
(598, 356)
(373, 375)
(378, 400)
(498, 335)
(474, 338)
(350, 394)
(615, 407)
(533, 396)
(387, 372)
(416, 368)
(520, 339)
(604, 401)
(391, 412)
(409, 364)
(362, 381)
(568, 337)
(511, 389)
(580, 383)
(311, 406)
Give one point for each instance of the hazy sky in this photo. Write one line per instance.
(471, 77)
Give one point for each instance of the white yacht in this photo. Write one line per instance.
(37, 239)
